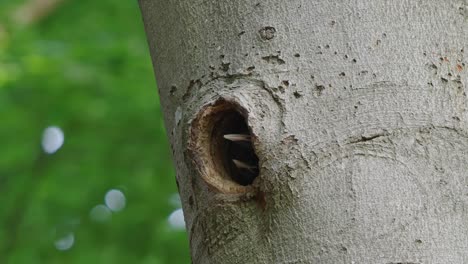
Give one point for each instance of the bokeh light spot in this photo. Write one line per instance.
(176, 220)
(115, 200)
(100, 213)
(174, 200)
(66, 242)
(52, 139)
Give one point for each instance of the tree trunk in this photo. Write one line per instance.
(357, 114)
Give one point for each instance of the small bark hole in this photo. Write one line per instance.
(233, 146)
(221, 144)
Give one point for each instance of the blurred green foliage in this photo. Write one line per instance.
(84, 67)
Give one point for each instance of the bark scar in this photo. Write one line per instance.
(366, 138)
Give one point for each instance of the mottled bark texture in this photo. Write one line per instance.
(357, 112)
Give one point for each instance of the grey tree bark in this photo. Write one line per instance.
(357, 114)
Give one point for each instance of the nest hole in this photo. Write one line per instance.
(221, 144)
(232, 148)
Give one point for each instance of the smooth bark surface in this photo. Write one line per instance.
(357, 111)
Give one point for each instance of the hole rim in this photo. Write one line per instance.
(203, 146)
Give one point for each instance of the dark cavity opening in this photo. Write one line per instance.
(232, 144)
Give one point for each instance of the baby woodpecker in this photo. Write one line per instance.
(237, 137)
(242, 165)
(242, 155)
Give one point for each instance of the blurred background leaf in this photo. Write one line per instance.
(82, 68)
